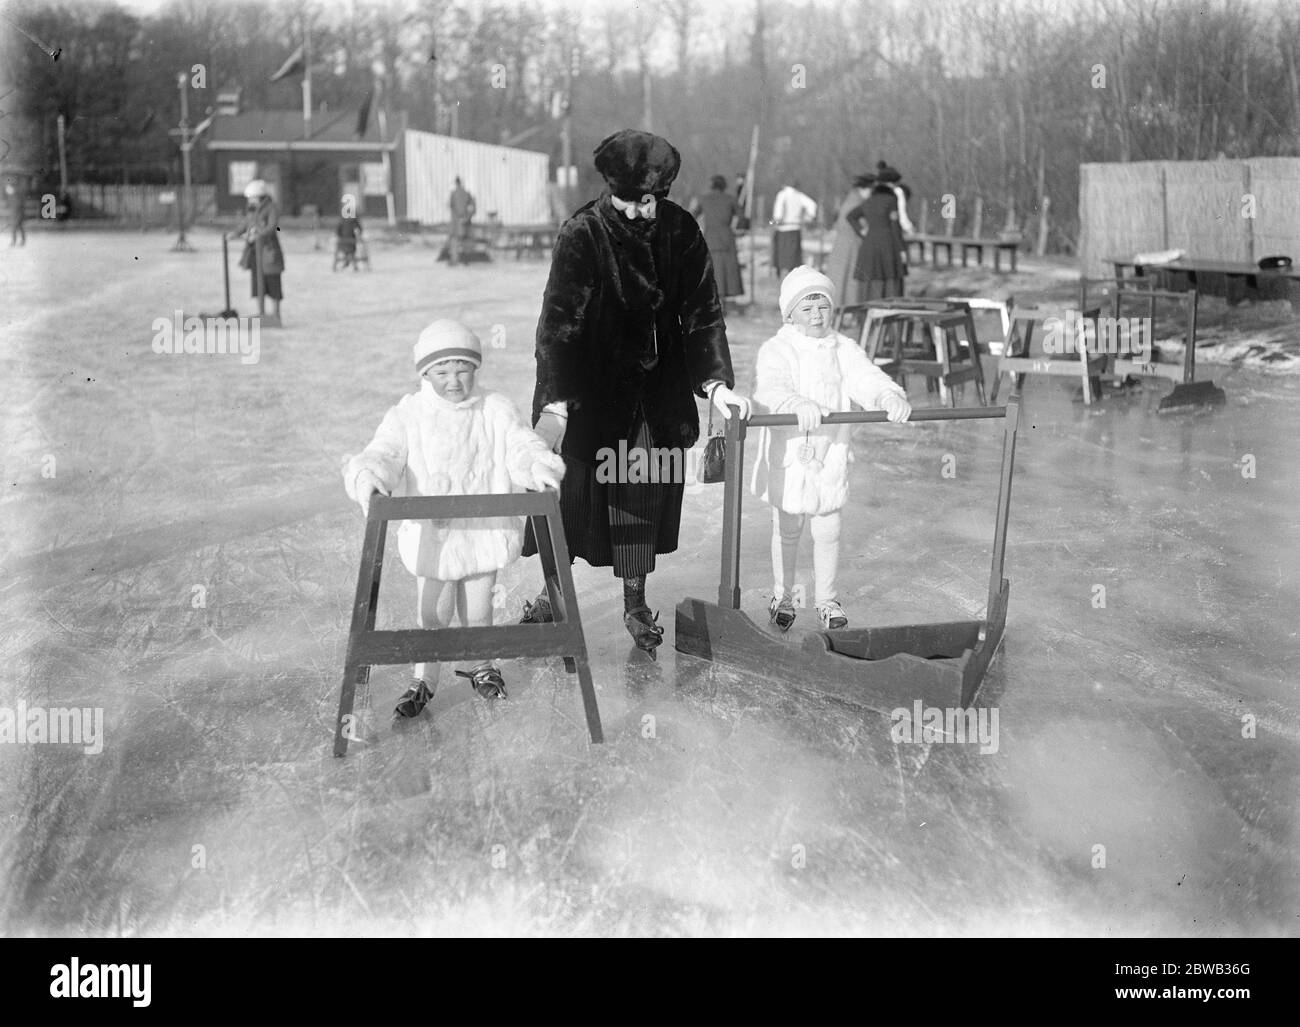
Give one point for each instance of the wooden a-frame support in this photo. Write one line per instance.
(368, 647)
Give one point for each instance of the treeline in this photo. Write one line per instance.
(996, 99)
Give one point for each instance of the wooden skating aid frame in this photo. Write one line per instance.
(368, 647)
(881, 668)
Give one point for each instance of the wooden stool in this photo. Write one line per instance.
(1024, 353)
(851, 319)
(951, 361)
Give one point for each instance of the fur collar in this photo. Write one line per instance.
(794, 336)
(635, 274)
(431, 399)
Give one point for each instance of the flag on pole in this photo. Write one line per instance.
(295, 65)
(363, 115)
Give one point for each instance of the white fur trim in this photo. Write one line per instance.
(834, 371)
(427, 446)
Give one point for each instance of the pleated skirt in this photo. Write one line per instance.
(787, 250)
(617, 524)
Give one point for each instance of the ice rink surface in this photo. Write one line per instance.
(178, 551)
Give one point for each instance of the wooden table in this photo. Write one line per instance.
(1240, 279)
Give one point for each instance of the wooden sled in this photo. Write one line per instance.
(880, 668)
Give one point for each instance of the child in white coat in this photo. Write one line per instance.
(448, 439)
(809, 370)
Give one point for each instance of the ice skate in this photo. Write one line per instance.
(487, 682)
(414, 699)
(781, 611)
(538, 611)
(646, 633)
(832, 615)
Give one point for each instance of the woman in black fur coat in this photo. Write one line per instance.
(631, 332)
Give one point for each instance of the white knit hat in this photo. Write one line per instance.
(256, 189)
(446, 340)
(804, 281)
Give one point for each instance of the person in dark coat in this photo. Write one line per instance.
(349, 232)
(717, 212)
(631, 332)
(260, 228)
(882, 258)
(463, 208)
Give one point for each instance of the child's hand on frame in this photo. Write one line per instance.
(896, 408)
(544, 477)
(367, 485)
(809, 414)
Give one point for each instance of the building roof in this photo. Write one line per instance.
(281, 129)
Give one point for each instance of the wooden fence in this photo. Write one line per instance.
(1228, 210)
(141, 206)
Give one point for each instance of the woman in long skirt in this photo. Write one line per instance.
(882, 260)
(260, 228)
(717, 213)
(843, 259)
(631, 333)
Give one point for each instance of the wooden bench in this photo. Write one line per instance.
(534, 240)
(966, 245)
(1233, 280)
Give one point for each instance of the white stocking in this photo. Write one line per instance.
(826, 553)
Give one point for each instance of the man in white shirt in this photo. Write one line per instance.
(791, 210)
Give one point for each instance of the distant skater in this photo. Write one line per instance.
(882, 259)
(717, 212)
(791, 210)
(14, 203)
(843, 260)
(260, 228)
(453, 438)
(462, 213)
(349, 233)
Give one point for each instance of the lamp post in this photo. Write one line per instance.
(183, 199)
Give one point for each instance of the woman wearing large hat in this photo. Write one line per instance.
(631, 333)
(882, 258)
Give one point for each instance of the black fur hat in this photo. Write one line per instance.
(887, 175)
(635, 163)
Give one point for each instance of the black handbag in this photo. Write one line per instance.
(713, 468)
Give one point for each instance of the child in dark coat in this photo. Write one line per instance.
(349, 233)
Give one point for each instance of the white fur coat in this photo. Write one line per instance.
(429, 446)
(810, 476)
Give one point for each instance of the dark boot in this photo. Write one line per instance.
(538, 611)
(487, 682)
(646, 633)
(414, 700)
